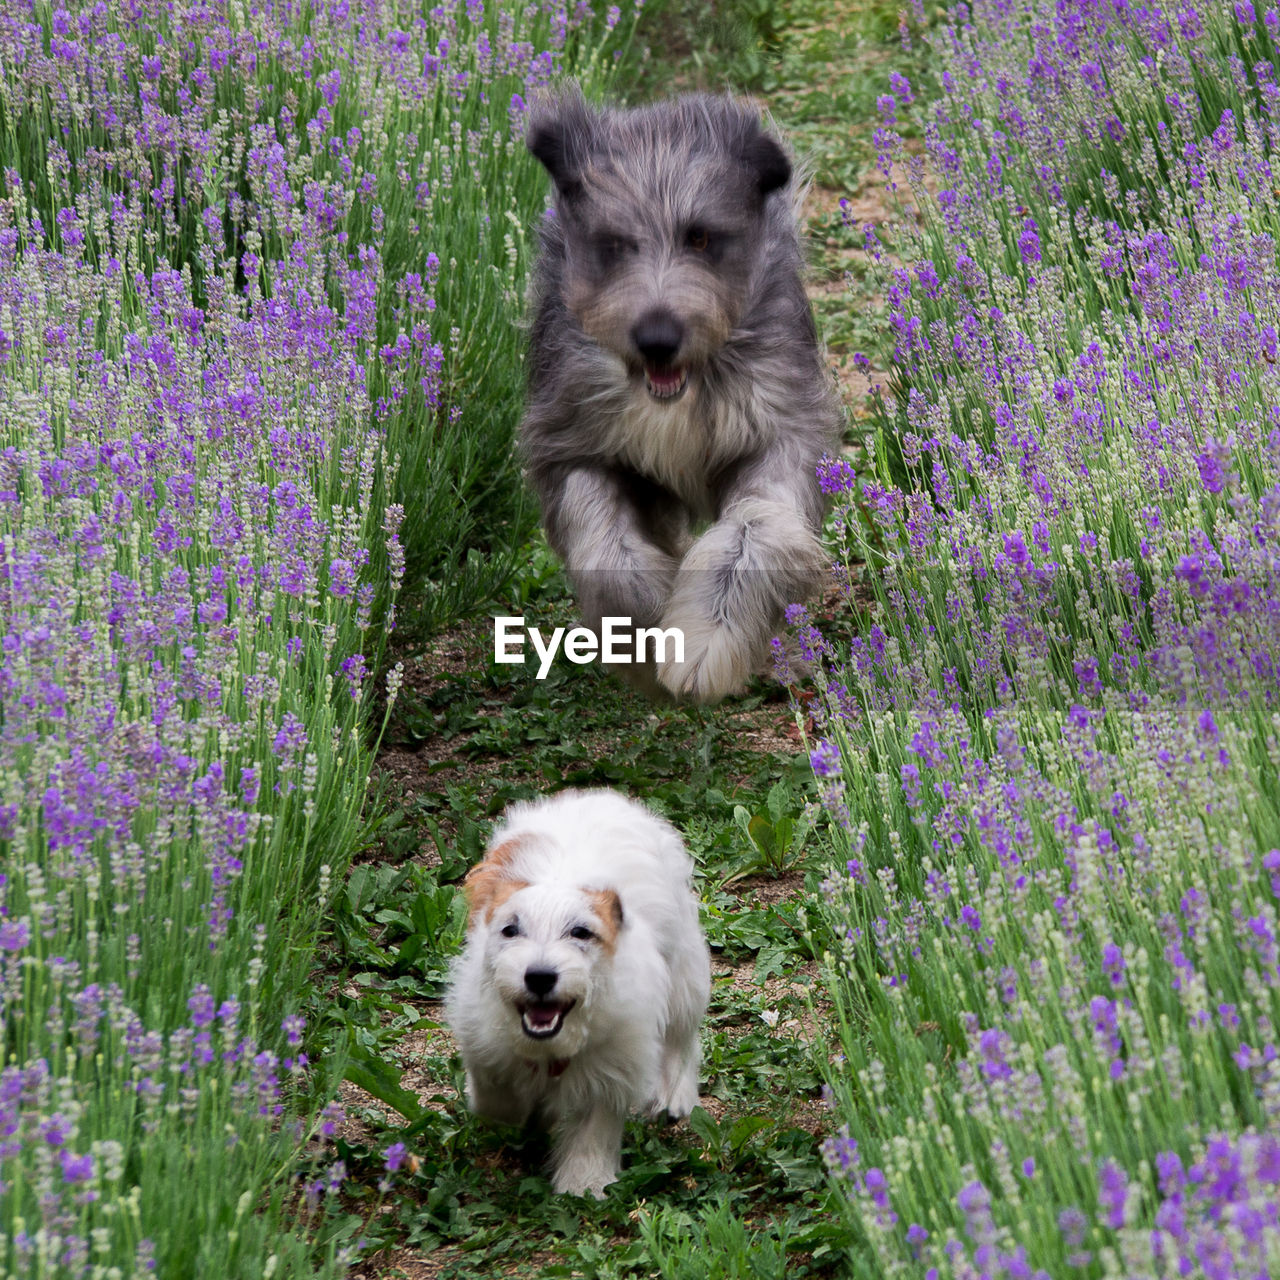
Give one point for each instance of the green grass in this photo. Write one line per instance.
(816, 65)
(703, 45)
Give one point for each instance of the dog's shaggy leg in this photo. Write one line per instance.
(495, 1099)
(617, 567)
(678, 1093)
(681, 1042)
(730, 593)
(588, 1152)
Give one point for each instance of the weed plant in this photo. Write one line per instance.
(249, 261)
(1050, 753)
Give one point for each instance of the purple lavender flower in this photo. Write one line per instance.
(1029, 241)
(1073, 637)
(75, 1168)
(993, 1045)
(15, 935)
(836, 475)
(825, 759)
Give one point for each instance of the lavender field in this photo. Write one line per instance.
(1053, 751)
(251, 262)
(259, 272)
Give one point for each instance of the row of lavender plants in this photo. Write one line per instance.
(250, 260)
(1053, 750)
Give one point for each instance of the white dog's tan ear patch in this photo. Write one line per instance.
(608, 906)
(490, 883)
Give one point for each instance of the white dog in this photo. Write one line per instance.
(584, 979)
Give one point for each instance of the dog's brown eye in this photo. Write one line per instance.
(611, 249)
(581, 933)
(698, 239)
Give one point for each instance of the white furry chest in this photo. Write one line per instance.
(671, 443)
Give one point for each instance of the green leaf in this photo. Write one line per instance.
(408, 954)
(778, 800)
(782, 830)
(761, 833)
(744, 1129)
(380, 1078)
(704, 1125)
(357, 884)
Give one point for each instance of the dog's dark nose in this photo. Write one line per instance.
(658, 336)
(540, 981)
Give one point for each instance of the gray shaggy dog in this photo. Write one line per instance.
(677, 402)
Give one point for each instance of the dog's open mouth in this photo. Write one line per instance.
(542, 1019)
(665, 384)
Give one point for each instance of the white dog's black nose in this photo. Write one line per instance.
(540, 981)
(658, 336)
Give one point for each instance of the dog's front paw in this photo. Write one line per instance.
(676, 1105)
(588, 1152)
(682, 1100)
(717, 661)
(584, 1178)
(677, 1095)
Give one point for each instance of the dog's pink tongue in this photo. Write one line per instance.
(664, 380)
(543, 1016)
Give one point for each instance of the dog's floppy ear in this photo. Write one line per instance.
(767, 161)
(609, 908)
(560, 135)
(489, 883)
